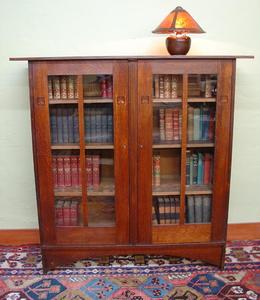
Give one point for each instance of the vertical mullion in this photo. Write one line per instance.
(84, 210)
(183, 147)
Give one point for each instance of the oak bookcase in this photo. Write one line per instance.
(132, 155)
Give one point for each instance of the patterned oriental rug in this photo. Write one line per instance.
(158, 277)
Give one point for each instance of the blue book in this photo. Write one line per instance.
(190, 215)
(75, 126)
(70, 125)
(188, 182)
(201, 124)
(195, 168)
(98, 125)
(104, 125)
(206, 209)
(59, 125)
(93, 125)
(65, 128)
(87, 124)
(200, 168)
(198, 209)
(110, 126)
(54, 129)
(205, 125)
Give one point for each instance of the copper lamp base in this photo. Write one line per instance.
(178, 45)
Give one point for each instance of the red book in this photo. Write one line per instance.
(74, 171)
(59, 213)
(175, 119)
(103, 88)
(207, 176)
(66, 213)
(74, 213)
(95, 166)
(60, 171)
(168, 125)
(109, 87)
(54, 172)
(67, 171)
(89, 171)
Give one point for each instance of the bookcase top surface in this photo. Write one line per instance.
(165, 57)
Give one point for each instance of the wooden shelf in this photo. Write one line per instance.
(198, 190)
(99, 146)
(97, 100)
(64, 101)
(168, 100)
(201, 99)
(65, 147)
(170, 186)
(166, 146)
(105, 189)
(200, 144)
(67, 192)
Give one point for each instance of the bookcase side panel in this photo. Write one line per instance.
(42, 154)
(222, 162)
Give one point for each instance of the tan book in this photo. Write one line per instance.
(63, 87)
(70, 87)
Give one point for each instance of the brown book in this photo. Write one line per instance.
(59, 213)
(50, 92)
(63, 87)
(70, 89)
(89, 171)
(66, 213)
(156, 86)
(74, 213)
(162, 124)
(174, 87)
(156, 170)
(56, 87)
(190, 123)
(167, 86)
(96, 173)
(67, 171)
(55, 172)
(168, 124)
(161, 86)
(76, 90)
(175, 119)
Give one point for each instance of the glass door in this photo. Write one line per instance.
(89, 152)
(177, 110)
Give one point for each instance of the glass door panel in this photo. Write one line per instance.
(99, 155)
(166, 159)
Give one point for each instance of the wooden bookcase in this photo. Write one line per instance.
(132, 155)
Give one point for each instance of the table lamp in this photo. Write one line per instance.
(179, 22)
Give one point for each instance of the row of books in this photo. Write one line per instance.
(199, 168)
(166, 210)
(98, 86)
(98, 124)
(67, 212)
(198, 209)
(66, 171)
(62, 87)
(170, 124)
(165, 86)
(64, 125)
(201, 123)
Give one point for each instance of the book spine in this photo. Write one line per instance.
(70, 87)
(63, 87)
(50, 91)
(59, 213)
(79, 170)
(104, 126)
(190, 209)
(89, 172)
(67, 171)
(157, 170)
(55, 172)
(74, 213)
(56, 87)
(60, 172)
(211, 124)
(167, 86)
(161, 86)
(167, 207)
(161, 210)
(156, 209)
(109, 87)
(54, 125)
(59, 126)
(96, 171)
(65, 129)
(200, 168)
(110, 126)
(196, 124)
(88, 125)
(195, 168)
(66, 213)
(190, 123)
(201, 124)
(103, 88)
(207, 167)
(168, 125)
(208, 87)
(198, 209)
(156, 86)
(74, 171)
(188, 182)
(93, 125)
(162, 124)
(205, 123)
(177, 209)
(70, 125)
(191, 169)
(206, 209)
(174, 87)
(75, 126)
(98, 126)
(76, 89)
(176, 129)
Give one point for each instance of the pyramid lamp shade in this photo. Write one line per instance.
(178, 23)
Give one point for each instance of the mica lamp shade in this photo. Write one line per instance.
(179, 22)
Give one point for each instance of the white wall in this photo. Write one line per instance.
(84, 27)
